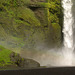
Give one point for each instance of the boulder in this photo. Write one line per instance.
(23, 62)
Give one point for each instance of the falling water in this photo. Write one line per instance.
(68, 32)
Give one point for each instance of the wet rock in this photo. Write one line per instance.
(23, 62)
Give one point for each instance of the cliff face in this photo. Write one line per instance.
(30, 24)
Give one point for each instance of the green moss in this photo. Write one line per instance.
(48, 16)
(14, 3)
(54, 18)
(57, 33)
(41, 4)
(45, 5)
(47, 0)
(16, 54)
(5, 2)
(5, 56)
(22, 59)
(55, 11)
(16, 38)
(27, 16)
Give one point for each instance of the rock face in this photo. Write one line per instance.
(25, 26)
(38, 0)
(22, 62)
(29, 25)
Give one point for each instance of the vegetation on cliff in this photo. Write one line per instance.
(5, 56)
(28, 24)
(9, 59)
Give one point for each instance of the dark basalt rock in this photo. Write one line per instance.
(22, 62)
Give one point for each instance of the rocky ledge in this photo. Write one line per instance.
(23, 62)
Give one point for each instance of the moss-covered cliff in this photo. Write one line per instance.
(30, 24)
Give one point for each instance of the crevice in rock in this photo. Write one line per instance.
(21, 19)
(33, 8)
(5, 4)
(1, 9)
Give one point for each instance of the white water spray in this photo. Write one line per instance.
(68, 32)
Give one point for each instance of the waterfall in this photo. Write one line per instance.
(68, 32)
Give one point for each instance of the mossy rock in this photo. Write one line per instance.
(23, 62)
(5, 56)
(57, 32)
(9, 58)
(25, 26)
(27, 17)
(14, 3)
